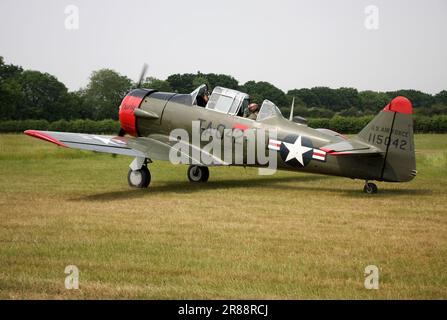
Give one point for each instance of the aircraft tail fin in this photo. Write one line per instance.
(391, 131)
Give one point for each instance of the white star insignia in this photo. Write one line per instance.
(296, 150)
(104, 140)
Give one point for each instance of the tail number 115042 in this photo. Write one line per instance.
(401, 144)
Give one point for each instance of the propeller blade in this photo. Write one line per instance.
(142, 75)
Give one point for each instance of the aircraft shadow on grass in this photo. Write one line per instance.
(280, 183)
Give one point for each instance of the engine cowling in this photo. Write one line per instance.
(131, 102)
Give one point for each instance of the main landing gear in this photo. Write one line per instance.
(370, 188)
(140, 178)
(198, 173)
(139, 175)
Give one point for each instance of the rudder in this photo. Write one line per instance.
(392, 132)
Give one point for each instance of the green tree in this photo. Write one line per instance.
(44, 97)
(199, 80)
(10, 90)
(10, 98)
(307, 96)
(187, 82)
(77, 107)
(104, 93)
(157, 84)
(348, 99)
(221, 80)
(441, 97)
(418, 98)
(259, 91)
(372, 101)
(436, 109)
(182, 83)
(329, 98)
(8, 71)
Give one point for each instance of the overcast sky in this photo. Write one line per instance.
(292, 44)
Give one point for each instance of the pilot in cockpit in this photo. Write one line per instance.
(203, 97)
(253, 110)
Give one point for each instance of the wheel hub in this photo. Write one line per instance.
(136, 177)
(197, 174)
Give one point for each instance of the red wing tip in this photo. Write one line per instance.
(401, 105)
(43, 136)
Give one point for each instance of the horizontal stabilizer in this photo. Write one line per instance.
(351, 147)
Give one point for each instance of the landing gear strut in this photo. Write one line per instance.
(370, 188)
(139, 175)
(198, 173)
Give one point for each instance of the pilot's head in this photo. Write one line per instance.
(253, 107)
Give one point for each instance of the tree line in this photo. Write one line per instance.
(28, 94)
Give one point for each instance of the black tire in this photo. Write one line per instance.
(370, 188)
(139, 178)
(198, 173)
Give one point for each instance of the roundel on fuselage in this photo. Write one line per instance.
(296, 151)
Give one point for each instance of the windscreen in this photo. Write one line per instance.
(268, 110)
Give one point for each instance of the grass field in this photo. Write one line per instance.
(291, 236)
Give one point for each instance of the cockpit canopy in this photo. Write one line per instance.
(227, 100)
(234, 102)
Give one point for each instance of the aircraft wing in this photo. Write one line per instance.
(91, 142)
(159, 146)
(156, 147)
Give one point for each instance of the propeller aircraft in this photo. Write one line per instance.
(382, 151)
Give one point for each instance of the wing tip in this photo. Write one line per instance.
(43, 136)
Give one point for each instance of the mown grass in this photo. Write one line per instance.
(291, 236)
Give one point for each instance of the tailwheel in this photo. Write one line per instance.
(198, 173)
(370, 188)
(139, 178)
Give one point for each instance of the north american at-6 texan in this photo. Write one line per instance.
(382, 151)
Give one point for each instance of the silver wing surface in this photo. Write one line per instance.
(156, 147)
